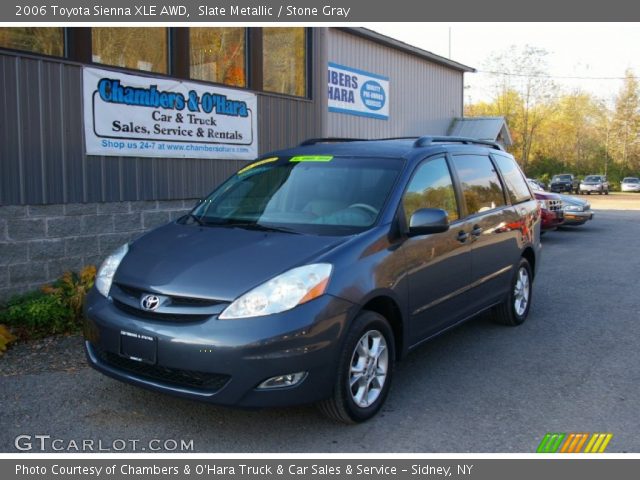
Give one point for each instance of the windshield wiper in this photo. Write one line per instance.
(260, 227)
(195, 218)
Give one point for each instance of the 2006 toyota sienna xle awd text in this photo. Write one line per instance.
(309, 272)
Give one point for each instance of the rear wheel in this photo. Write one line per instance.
(364, 371)
(515, 308)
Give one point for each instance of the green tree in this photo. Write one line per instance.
(625, 125)
(522, 71)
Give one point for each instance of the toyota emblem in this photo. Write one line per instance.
(150, 302)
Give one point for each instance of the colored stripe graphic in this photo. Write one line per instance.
(573, 442)
(576, 444)
(598, 443)
(550, 443)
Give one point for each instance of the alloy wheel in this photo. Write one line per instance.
(521, 292)
(369, 368)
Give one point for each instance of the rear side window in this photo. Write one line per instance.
(515, 182)
(480, 183)
(431, 187)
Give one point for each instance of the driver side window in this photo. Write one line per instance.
(431, 187)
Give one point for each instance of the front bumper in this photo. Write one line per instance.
(591, 188)
(223, 361)
(577, 218)
(561, 187)
(625, 188)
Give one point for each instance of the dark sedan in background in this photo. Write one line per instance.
(564, 183)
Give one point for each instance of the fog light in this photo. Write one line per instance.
(282, 381)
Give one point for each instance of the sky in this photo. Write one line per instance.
(575, 50)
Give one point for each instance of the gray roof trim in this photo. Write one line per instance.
(486, 128)
(405, 47)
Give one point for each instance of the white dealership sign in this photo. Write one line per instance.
(357, 92)
(137, 116)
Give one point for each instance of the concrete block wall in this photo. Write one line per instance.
(38, 243)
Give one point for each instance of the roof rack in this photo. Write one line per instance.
(314, 141)
(428, 140)
(423, 141)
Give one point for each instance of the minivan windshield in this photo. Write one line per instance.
(307, 194)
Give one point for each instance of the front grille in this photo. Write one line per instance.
(162, 317)
(211, 382)
(554, 205)
(175, 300)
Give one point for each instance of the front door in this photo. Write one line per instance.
(438, 265)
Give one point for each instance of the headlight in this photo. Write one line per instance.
(572, 208)
(542, 204)
(292, 288)
(108, 270)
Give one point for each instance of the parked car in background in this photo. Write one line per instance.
(594, 184)
(577, 211)
(551, 211)
(630, 184)
(564, 182)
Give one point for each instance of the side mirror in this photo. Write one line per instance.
(428, 220)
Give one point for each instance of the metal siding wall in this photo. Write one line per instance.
(42, 157)
(424, 96)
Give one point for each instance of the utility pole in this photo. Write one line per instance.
(606, 149)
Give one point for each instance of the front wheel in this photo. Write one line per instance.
(364, 372)
(515, 308)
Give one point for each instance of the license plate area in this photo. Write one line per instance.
(139, 347)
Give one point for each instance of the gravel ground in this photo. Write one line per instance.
(614, 201)
(52, 354)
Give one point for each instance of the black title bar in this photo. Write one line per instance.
(333, 11)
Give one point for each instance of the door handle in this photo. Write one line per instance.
(462, 236)
(477, 230)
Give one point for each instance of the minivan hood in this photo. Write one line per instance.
(218, 263)
(546, 195)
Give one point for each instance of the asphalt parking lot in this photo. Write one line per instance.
(574, 366)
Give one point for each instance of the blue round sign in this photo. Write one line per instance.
(373, 95)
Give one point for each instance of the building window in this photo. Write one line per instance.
(218, 55)
(136, 48)
(47, 41)
(284, 60)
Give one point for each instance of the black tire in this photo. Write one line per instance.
(340, 405)
(506, 313)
